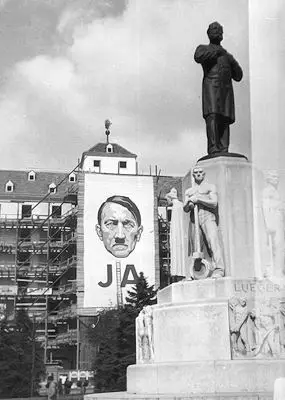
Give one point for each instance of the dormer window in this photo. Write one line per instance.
(52, 188)
(9, 186)
(31, 176)
(72, 177)
(109, 148)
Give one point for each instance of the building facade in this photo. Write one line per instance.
(55, 264)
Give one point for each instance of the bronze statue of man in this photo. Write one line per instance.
(219, 68)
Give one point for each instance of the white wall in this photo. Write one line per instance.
(110, 165)
(9, 209)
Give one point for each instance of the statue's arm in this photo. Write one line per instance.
(206, 53)
(188, 205)
(237, 73)
(209, 200)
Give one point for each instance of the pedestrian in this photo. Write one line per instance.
(51, 388)
(60, 387)
(67, 385)
(85, 384)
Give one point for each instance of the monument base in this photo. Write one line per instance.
(128, 396)
(213, 339)
(219, 378)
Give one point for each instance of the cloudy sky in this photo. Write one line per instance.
(67, 65)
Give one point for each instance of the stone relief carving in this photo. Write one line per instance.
(273, 213)
(255, 328)
(144, 328)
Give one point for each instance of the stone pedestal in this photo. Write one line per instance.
(215, 336)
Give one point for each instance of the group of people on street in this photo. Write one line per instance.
(55, 389)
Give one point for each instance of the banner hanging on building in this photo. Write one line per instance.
(118, 236)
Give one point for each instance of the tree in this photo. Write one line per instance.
(21, 357)
(105, 339)
(142, 294)
(116, 338)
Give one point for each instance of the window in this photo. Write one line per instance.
(26, 211)
(24, 259)
(55, 234)
(25, 234)
(109, 148)
(9, 186)
(123, 164)
(52, 188)
(72, 177)
(31, 176)
(97, 163)
(56, 211)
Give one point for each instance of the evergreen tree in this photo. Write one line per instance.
(20, 357)
(106, 362)
(142, 294)
(126, 336)
(115, 338)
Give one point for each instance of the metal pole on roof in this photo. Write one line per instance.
(108, 123)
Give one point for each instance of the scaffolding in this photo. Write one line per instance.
(38, 258)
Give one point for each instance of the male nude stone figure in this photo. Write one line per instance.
(205, 196)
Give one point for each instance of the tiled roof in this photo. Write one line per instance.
(33, 190)
(100, 150)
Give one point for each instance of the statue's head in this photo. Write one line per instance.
(198, 174)
(272, 177)
(171, 196)
(215, 33)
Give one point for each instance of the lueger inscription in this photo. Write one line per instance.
(258, 287)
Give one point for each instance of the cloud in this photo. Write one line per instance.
(135, 67)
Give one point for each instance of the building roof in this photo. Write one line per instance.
(100, 150)
(29, 190)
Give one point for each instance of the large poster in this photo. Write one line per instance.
(118, 236)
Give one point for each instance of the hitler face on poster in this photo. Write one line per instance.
(119, 233)
(119, 225)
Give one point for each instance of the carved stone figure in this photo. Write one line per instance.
(144, 328)
(255, 332)
(267, 333)
(177, 244)
(282, 325)
(239, 317)
(273, 211)
(219, 68)
(204, 196)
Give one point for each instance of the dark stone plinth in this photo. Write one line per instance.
(222, 154)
